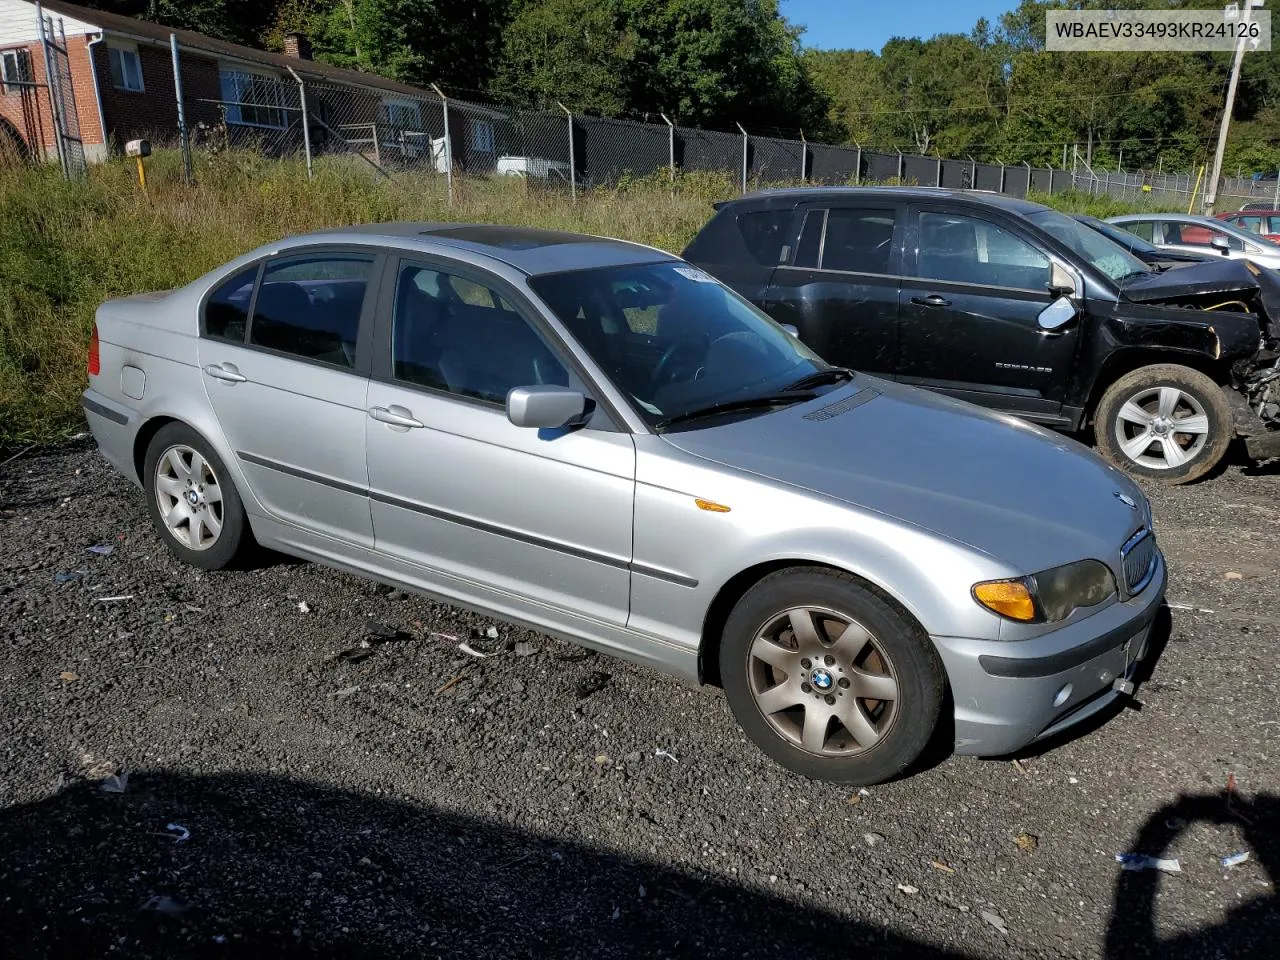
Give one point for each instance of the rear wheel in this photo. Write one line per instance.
(1166, 422)
(194, 505)
(828, 678)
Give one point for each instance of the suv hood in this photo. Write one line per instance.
(1215, 277)
(1023, 495)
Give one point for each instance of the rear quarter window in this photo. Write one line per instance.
(764, 234)
(226, 312)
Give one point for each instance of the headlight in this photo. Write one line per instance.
(1049, 596)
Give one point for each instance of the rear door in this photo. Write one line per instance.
(839, 285)
(970, 307)
(284, 356)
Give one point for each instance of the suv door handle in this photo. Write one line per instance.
(395, 415)
(226, 372)
(933, 300)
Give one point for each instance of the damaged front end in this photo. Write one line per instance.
(1241, 287)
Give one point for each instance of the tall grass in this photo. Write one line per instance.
(67, 246)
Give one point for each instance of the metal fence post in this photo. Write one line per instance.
(937, 170)
(1003, 171)
(184, 135)
(54, 112)
(306, 121)
(1027, 193)
(973, 172)
(573, 167)
(671, 147)
(902, 170)
(804, 156)
(857, 170)
(448, 143)
(745, 147)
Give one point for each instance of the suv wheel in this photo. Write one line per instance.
(828, 678)
(1166, 422)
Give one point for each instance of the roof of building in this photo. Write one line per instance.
(198, 42)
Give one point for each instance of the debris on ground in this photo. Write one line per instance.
(471, 651)
(994, 919)
(69, 576)
(1017, 765)
(1140, 861)
(492, 633)
(101, 549)
(908, 889)
(442, 636)
(593, 682)
(126, 596)
(602, 759)
(179, 833)
(66, 676)
(663, 753)
(1175, 823)
(1026, 841)
(1234, 860)
(853, 799)
(345, 692)
(115, 783)
(871, 839)
(1231, 791)
(939, 865)
(377, 630)
(304, 607)
(1232, 575)
(450, 684)
(166, 905)
(525, 649)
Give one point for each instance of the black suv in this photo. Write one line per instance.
(1018, 307)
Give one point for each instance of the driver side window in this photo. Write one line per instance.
(450, 333)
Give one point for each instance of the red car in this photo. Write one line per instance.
(1265, 223)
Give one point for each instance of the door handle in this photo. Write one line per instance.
(227, 373)
(397, 416)
(933, 300)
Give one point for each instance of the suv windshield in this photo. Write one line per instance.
(677, 342)
(1104, 254)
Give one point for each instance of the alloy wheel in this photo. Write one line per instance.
(1162, 427)
(189, 497)
(823, 681)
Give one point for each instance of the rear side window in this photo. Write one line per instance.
(226, 312)
(858, 240)
(764, 232)
(310, 307)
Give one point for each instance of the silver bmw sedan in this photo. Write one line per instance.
(595, 439)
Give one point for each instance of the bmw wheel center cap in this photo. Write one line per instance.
(821, 680)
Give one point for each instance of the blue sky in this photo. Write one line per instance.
(867, 24)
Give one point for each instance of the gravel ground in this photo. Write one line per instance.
(404, 799)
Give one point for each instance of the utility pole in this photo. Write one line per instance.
(1211, 188)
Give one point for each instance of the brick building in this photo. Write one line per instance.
(119, 86)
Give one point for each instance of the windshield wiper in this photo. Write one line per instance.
(820, 377)
(732, 406)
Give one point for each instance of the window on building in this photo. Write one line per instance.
(480, 136)
(252, 99)
(403, 115)
(16, 66)
(126, 68)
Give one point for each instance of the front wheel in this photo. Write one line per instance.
(828, 678)
(1166, 422)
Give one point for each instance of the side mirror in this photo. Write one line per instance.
(545, 407)
(1221, 244)
(792, 329)
(1061, 280)
(1057, 314)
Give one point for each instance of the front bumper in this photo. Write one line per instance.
(1010, 694)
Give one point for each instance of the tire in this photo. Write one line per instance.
(176, 455)
(1151, 402)
(874, 648)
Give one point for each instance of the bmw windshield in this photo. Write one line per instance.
(680, 344)
(1103, 254)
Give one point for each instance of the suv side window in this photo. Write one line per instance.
(453, 334)
(310, 307)
(858, 240)
(765, 234)
(964, 249)
(226, 312)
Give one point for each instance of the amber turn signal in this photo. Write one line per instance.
(1009, 598)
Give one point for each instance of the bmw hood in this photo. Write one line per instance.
(1023, 495)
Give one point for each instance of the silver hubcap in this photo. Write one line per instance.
(1162, 428)
(823, 681)
(189, 498)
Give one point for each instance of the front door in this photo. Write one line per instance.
(970, 305)
(839, 287)
(286, 371)
(455, 487)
